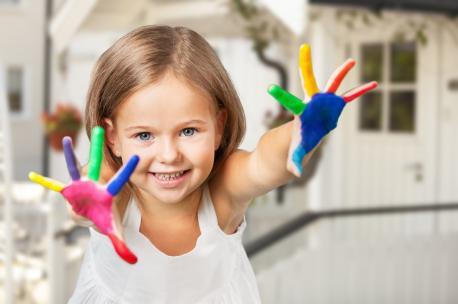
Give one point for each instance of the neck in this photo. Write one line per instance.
(157, 211)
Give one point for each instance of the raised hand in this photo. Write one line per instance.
(88, 197)
(313, 120)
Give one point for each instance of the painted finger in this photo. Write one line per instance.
(287, 100)
(70, 158)
(96, 153)
(117, 231)
(358, 91)
(46, 182)
(293, 165)
(339, 74)
(120, 179)
(122, 250)
(306, 68)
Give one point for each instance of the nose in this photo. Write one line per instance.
(167, 151)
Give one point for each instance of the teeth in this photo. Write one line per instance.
(169, 176)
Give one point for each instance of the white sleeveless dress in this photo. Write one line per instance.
(217, 270)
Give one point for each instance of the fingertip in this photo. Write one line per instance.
(373, 84)
(32, 176)
(351, 61)
(135, 158)
(122, 250)
(97, 131)
(274, 90)
(305, 47)
(67, 140)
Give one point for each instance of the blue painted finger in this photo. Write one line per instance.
(297, 157)
(123, 176)
(70, 158)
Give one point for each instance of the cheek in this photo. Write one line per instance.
(144, 154)
(202, 154)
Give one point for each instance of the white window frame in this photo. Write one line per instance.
(9, 8)
(9, 4)
(386, 87)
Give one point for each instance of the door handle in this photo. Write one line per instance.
(417, 168)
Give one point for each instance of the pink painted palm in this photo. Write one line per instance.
(88, 198)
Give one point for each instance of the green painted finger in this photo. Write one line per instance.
(96, 153)
(287, 100)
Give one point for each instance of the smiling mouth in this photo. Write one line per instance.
(170, 175)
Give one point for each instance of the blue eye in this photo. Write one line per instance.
(144, 136)
(189, 131)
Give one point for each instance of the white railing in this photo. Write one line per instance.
(405, 270)
(63, 261)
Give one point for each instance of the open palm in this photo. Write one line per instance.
(315, 119)
(88, 197)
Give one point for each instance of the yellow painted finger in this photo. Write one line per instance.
(46, 182)
(305, 64)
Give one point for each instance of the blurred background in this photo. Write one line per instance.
(374, 218)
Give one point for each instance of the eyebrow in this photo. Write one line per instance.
(193, 121)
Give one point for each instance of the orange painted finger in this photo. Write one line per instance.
(336, 78)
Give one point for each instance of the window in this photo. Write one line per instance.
(15, 89)
(9, 2)
(371, 108)
(392, 106)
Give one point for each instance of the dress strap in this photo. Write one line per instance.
(132, 216)
(207, 214)
(208, 219)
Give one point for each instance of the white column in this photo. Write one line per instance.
(325, 190)
(292, 13)
(6, 167)
(68, 20)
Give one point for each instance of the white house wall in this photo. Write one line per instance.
(338, 184)
(251, 80)
(448, 123)
(82, 55)
(22, 43)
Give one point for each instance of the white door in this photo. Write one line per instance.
(390, 134)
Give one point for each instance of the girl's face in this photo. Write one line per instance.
(175, 130)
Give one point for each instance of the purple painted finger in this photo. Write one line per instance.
(70, 158)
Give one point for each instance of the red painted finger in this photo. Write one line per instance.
(358, 91)
(122, 250)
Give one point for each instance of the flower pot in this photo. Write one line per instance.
(55, 139)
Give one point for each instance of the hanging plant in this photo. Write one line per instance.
(64, 121)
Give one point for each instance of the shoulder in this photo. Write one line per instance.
(229, 210)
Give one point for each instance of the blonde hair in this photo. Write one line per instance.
(142, 57)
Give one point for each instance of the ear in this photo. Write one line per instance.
(112, 141)
(221, 118)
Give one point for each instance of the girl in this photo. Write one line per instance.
(162, 94)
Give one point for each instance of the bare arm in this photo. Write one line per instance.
(289, 147)
(246, 175)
